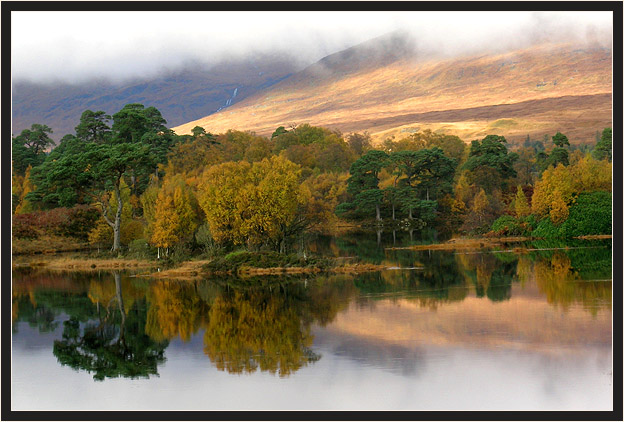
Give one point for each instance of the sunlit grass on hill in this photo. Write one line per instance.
(387, 97)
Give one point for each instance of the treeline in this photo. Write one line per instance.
(126, 181)
(435, 180)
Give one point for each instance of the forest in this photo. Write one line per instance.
(127, 185)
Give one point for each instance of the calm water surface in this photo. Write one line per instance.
(507, 329)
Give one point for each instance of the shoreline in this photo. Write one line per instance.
(186, 270)
(485, 242)
(194, 268)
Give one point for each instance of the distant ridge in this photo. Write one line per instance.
(191, 93)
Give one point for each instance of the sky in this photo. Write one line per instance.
(76, 47)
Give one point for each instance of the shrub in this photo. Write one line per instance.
(74, 222)
(590, 215)
(203, 237)
(179, 253)
(24, 230)
(139, 248)
(530, 223)
(507, 225)
(238, 259)
(81, 221)
(546, 229)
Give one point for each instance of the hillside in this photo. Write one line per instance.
(181, 96)
(388, 89)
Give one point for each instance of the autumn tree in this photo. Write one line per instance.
(521, 206)
(176, 214)
(314, 148)
(327, 191)
(148, 204)
(564, 183)
(559, 209)
(253, 204)
(22, 186)
(479, 207)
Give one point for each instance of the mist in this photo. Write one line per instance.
(76, 47)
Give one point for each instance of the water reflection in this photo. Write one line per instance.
(115, 344)
(255, 328)
(116, 325)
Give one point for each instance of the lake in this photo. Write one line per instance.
(521, 327)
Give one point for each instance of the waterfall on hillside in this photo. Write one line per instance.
(228, 102)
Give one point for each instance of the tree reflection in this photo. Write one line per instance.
(248, 324)
(37, 316)
(115, 345)
(256, 328)
(176, 310)
(120, 326)
(490, 273)
(564, 278)
(429, 278)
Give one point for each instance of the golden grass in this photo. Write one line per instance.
(385, 98)
(82, 264)
(187, 270)
(47, 244)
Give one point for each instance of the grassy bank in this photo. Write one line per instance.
(81, 263)
(239, 263)
(248, 264)
(48, 244)
(245, 263)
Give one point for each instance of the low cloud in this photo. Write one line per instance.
(75, 47)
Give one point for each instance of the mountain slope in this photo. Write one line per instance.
(536, 91)
(180, 96)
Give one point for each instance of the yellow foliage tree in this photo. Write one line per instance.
(585, 175)
(464, 190)
(589, 174)
(521, 206)
(480, 205)
(327, 190)
(176, 215)
(148, 202)
(253, 204)
(24, 186)
(559, 209)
